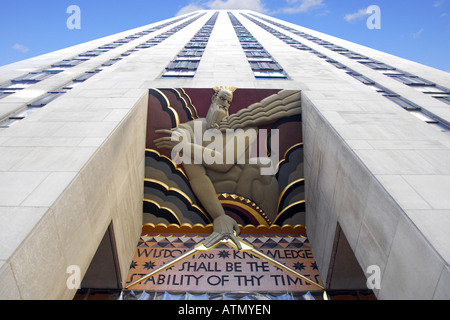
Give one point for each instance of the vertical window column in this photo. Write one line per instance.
(424, 85)
(262, 63)
(187, 61)
(427, 87)
(31, 78)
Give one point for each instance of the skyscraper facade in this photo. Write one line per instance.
(362, 154)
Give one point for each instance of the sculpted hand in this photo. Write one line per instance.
(169, 142)
(224, 227)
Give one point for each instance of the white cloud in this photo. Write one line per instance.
(352, 17)
(417, 34)
(192, 7)
(294, 6)
(438, 3)
(301, 6)
(20, 47)
(254, 5)
(324, 13)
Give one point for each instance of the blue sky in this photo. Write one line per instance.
(417, 30)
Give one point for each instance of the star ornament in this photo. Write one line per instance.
(149, 265)
(224, 254)
(299, 266)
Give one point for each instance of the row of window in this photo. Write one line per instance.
(25, 81)
(32, 78)
(439, 92)
(261, 62)
(402, 102)
(187, 61)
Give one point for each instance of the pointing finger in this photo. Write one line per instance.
(212, 239)
(236, 241)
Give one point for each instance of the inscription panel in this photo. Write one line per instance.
(223, 269)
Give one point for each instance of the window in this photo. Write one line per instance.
(411, 80)
(424, 117)
(265, 66)
(269, 74)
(258, 56)
(431, 120)
(361, 78)
(204, 38)
(352, 55)
(320, 55)
(191, 53)
(92, 53)
(431, 90)
(336, 64)
(145, 45)
(35, 77)
(292, 42)
(311, 38)
(444, 99)
(127, 53)
(71, 85)
(154, 41)
(376, 65)
(377, 88)
(6, 123)
(12, 88)
(110, 46)
(184, 65)
(4, 94)
(402, 102)
(247, 38)
(20, 114)
(251, 45)
(121, 41)
(144, 33)
(31, 77)
(179, 73)
(334, 47)
(111, 62)
(86, 76)
(322, 42)
(46, 99)
(68, 63)
(196, 45)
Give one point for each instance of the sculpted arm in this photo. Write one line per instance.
(224, 226)
(283, 104)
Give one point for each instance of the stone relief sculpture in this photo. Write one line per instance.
(231, 165)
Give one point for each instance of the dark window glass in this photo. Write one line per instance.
(46, 99)
(405, 104)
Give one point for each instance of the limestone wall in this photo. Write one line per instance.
(383, 228)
